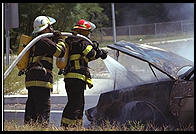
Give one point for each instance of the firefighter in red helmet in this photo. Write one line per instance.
(77, 74)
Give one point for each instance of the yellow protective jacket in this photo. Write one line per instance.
(81, 52)
(40, 66)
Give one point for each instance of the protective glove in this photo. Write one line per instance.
(74, 33)
(104, 54)
(98, 54)
(57, 35)
(95, 44)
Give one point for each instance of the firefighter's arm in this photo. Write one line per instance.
(52, 48)
(100, 52)
(60, 49)
(89, 52)
(60, 44)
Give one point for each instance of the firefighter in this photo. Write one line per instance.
(77, 74)
(39, 77)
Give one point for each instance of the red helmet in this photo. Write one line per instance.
(85, 25)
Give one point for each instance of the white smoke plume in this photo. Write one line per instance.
(179, 11)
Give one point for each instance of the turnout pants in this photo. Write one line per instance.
(37, 108)
(73, 111)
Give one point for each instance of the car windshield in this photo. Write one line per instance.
(165, 61)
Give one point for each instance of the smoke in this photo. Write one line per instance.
(186, 50)
(129, 14)
(145, 13)
(183, 48)
(179, 11)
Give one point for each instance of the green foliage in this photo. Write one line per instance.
(92, 12)
(66, 15)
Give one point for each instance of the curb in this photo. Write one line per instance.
(55, 99)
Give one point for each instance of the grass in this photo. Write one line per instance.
(104, 126)
(15, 84)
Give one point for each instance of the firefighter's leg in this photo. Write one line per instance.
(29, 116)
(42, 108)
(73, 111)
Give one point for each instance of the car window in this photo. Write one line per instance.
(140, 68)
(183, 70)
(186, 73)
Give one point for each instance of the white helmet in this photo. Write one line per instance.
(42, 22)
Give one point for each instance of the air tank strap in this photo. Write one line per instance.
(76, 58)
(37, 60)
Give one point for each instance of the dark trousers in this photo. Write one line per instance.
(37, 108)
(75, 105)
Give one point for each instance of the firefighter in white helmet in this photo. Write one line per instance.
(77, 75)
(39, 77)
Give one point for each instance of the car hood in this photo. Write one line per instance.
(165, 61)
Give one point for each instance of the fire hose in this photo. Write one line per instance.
(10, 68)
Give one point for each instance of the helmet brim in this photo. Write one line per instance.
(52, 20)
(92, 26)
(39, 30)
(79, 27)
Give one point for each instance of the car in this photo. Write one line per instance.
(164, 100)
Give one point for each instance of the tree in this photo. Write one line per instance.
(92, 12)
(66, 14)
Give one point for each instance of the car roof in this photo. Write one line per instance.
(165, 61)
